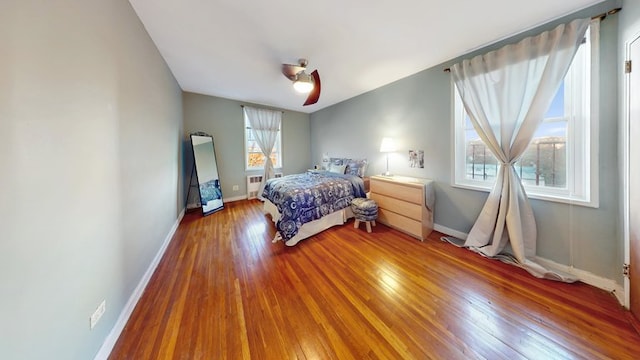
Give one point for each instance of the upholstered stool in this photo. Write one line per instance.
(364, 210)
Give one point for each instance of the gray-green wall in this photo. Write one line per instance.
(223, 119)
(417, 112)
(90, 131)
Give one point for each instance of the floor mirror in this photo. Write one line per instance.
(206, 170)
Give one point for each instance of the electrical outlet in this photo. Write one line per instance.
(95, 317)
(236, 188)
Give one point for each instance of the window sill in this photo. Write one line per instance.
(531, 194)
(278, 169)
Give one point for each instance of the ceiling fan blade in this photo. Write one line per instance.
(314, 95)
(290, 71)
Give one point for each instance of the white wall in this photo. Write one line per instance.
(90, 125)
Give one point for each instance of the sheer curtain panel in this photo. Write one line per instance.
(506, 93)
(265, 125)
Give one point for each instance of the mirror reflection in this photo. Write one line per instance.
(204, 157)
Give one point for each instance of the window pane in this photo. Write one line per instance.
(552, 128)
(544, 161)
(274, 159)
(252, 146)
(255, 158)
(481, 164)
(557, 105)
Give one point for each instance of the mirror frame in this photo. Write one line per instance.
(199, 169)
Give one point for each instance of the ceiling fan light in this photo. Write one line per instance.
(303, 83)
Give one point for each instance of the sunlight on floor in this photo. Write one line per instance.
(488, 318)
(254, 234)
(256, 229)
(387, 278)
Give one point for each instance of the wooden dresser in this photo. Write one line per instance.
(402, 205)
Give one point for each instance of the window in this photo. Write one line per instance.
(254, 158)
(558, 163)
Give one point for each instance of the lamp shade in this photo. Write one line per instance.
(388, 145)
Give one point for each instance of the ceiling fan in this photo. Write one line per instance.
(303, 82)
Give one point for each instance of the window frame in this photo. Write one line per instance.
(580, 103)
(277, 148)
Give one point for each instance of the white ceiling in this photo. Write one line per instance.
(234, 48)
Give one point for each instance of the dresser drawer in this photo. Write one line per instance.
(399, 222)
(401, 204)
(405, 192)
(408, 209)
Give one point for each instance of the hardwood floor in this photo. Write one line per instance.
(224, 291)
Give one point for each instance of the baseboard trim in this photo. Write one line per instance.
(235, 198)
(586, 277)
(110, 340)
(451, 232)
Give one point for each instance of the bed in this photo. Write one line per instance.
(302, 205)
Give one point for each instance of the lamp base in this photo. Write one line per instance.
(387, 173)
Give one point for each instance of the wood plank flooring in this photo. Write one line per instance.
(224, 291)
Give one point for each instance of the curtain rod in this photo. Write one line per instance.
(601, 17)
(604, 15)
(282, 111)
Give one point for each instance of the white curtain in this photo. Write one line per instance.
(506, 94)
(265, 125)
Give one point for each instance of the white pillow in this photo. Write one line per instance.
(337, 168)
(325, 162)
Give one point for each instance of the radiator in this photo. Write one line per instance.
(253, 185)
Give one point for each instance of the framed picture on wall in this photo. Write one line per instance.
(416, 159)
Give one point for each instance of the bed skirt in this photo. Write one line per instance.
(311, 228)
